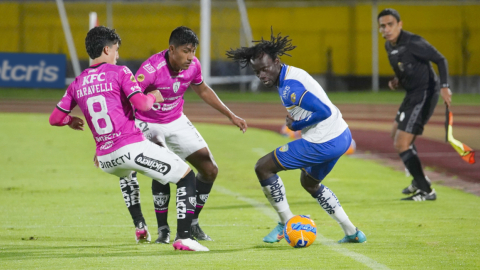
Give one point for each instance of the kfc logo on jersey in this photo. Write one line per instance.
(149, 68)
(176, 86)
(90, 78)
(153, 164)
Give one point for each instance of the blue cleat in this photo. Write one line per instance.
(358, 237)
(275, 235)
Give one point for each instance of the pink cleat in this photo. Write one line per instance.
(141, 233)
(188, 245)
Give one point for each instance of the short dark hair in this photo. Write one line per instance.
(275, 47)
(183, 35)
(99, 37)
(389, 11)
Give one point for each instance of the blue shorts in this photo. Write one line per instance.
(316, 159)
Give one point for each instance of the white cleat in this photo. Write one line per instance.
(188, 245)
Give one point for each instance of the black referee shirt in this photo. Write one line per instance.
(410, 59)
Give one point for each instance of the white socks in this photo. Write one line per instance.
(275, 192)
(329, 202)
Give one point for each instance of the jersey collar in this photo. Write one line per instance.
(281, 77)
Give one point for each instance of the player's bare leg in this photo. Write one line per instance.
(273, 188)
(402, 143)
(329, 202)
(207, 172)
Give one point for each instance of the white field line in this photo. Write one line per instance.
(268, 211)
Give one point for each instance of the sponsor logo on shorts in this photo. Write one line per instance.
(114, 162)
(132, 78)
(293, 97)
(149, 68)
(160, 200)
(153, 164)
(176, 86)
(284, 148)
(106, 145)
(141, 78)
(402, 116)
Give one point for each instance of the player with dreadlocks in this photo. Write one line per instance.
(325, 135)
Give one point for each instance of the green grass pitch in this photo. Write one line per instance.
(59, 212)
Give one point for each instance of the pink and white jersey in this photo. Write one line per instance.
(102, 92)
(154, 74)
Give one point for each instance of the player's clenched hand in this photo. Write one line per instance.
(239, 122)
(77, 123)
(289, 121)
(158, 96)
(393, 83)
(446, 95)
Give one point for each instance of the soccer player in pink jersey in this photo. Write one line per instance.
(105, 93)
(172, 71)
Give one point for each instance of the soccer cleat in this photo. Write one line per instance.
(421, 195)
(198, 233)
(141, 233)
(358, 237)
(163, 236)
(188, 245)
(275, 235)
(410, 189)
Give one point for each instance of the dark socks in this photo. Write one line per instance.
(131, 195)
(414, 166)
(185, 205)
(161, 198)
(203, 190)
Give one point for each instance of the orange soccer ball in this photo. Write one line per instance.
(285, 131)
(300, 231)
(352, 148)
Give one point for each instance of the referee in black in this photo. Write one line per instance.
(410, 56)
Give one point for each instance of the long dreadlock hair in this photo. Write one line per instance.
(275, 47)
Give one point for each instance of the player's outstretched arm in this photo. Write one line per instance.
(208, 95)
(145, 102)
(59, 118)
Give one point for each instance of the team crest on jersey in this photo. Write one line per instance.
(141, 78)
(176, 86)
(132, 78)
(149, 68)
(284, 148)
(293, 97)
(400, 66)
(160, 200)
(192, 201)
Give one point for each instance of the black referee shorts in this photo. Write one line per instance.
(415, 110)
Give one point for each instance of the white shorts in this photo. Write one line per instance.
(180, 136)
(146, 158)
